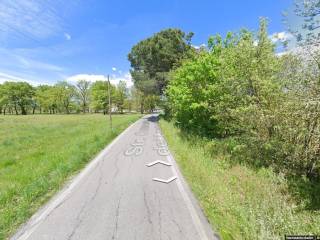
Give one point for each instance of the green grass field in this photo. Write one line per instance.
(239, 201)
(39, 153)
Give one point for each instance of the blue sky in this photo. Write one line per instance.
(45, 41)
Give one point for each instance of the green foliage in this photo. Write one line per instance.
(63, 97)
(121, 95)
(239, 201)
(99, 96)
(17, 94)
(241, 88)
(64, 93)
(152, 58)
(82, 92)
(151, 101)
(213, 93)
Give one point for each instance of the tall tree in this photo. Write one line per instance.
(121, 95)
(153, 58)
(307, 31)
(304, 88)
(19, 94)
(64, 94)
(309, 12)
(82, 89)
(3, 100)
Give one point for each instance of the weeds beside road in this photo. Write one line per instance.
(240, 201)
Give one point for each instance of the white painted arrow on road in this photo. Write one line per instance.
(158, 162)
(165, 181)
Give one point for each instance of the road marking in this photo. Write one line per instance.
(194, 215)
(158, 162)
(133, 150)
(162, 151)
(187, 200)
(25, 232)
(165, 181)
(136, 148)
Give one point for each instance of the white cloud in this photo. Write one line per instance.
(280, 37)
(67, 36)
(115, 79)
(32, 19)
(114, 69)
(197, 47)
(87, 77)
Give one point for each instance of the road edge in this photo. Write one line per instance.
(197, 213)
(26, 229)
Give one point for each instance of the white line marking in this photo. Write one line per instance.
(36, 219)
(158, 162)
(187, 200)
(165, 181)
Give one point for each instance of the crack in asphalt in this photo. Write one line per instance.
(79, 221)
(147, 207)
(117, 167)
(98, 185)
(115, 230)
(83, 208)
(178, 226)
(160, 220)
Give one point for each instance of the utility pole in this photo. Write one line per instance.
(110, 108)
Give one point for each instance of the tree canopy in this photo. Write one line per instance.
(63, 97)
(153, 58)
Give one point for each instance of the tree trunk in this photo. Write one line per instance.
(23, 110)
(16, 110)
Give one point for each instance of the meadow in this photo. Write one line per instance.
(39, 153)
(241, 201)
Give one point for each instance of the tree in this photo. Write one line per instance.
(304, 90)
(65, 93)
(121, 95)
(153, 58)
(308, 33)
(151, 102)
(138, 99)
(19, 95)
(45, 96)
(82, 90)
(309, 12)
(99, 97)
(3, 100)
(231, 90)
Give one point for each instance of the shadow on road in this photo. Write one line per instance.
(153, 118)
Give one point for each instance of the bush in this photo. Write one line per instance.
(240, 88)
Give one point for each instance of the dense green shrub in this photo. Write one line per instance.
(241, 88)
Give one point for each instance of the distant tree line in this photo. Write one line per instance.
(63, 97)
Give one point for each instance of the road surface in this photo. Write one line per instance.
(132, 190)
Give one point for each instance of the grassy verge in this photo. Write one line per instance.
(239, 201)
(38, 153)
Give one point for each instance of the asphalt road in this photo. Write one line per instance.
(124, 194)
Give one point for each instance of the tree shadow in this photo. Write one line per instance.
(305, 192)
(153, 118)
